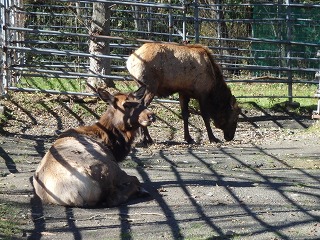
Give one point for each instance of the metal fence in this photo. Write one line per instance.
(44, 44)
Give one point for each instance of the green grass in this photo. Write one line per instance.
(3, 118)
(10, 222)
(276, 93)
(59, 84)
(315, 128)
(265, 95)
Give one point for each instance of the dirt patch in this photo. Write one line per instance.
(262, 185)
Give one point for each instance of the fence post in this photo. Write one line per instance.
(170, 24)
(316, 113)
(184, 34)
(149, 19)
(288, 50)
(1, 47)
(5, 56)
(196, 21)
(219, 27)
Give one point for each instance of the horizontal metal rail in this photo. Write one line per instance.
(230, 57)
(156, 99)
(272, 4)
(55, 73)
(135, 3)
(257, 40)
(229, 67)
(63, 52)
(60, 33)
(50, 91)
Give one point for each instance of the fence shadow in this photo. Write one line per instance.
(277, 116)
(230, 187)
(172, 220)
(11, 165)
(165, 208)
(214, 177)
(37, 215)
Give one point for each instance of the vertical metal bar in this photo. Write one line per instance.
(5, 41)
(16, 37)
(316, 114)
(149, 21)
(2, 58)
(170, 24)
(196, 21)
(219, 28)
(288, 49)
(184, 34)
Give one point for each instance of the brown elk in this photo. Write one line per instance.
(191, 71)
(80, 169)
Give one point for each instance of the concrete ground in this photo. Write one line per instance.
(268, 191)
(263, 185)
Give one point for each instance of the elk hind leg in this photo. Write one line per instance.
(127, 188)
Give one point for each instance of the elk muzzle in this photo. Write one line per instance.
(146, 118)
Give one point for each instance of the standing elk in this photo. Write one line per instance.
(191, 71)
(80, 169)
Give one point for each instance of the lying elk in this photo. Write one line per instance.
(80, 169)
(191, 71)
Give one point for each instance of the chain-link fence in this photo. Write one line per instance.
(45, 43)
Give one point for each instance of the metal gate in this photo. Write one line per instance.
(44, 45)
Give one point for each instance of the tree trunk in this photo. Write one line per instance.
(100, 25)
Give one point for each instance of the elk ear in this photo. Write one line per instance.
(105, 96)
(232, 101)
(139, 94)
(234, 105)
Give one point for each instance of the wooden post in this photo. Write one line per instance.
(100, 25)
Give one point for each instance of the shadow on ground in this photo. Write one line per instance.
(263, 185)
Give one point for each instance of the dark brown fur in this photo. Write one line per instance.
(80, 169)
(191, 71)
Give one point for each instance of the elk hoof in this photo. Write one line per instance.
(190, 140)
(145, 143)
(57, 132)
(215, 140)
(143, 193)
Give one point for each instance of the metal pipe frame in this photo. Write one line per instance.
(50, 71)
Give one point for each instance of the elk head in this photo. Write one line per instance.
(129, 112)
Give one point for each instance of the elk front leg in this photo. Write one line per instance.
(206, 118)
(144, 132)
(184, 103)
(146, 138)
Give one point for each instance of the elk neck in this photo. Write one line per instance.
(111, 136)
